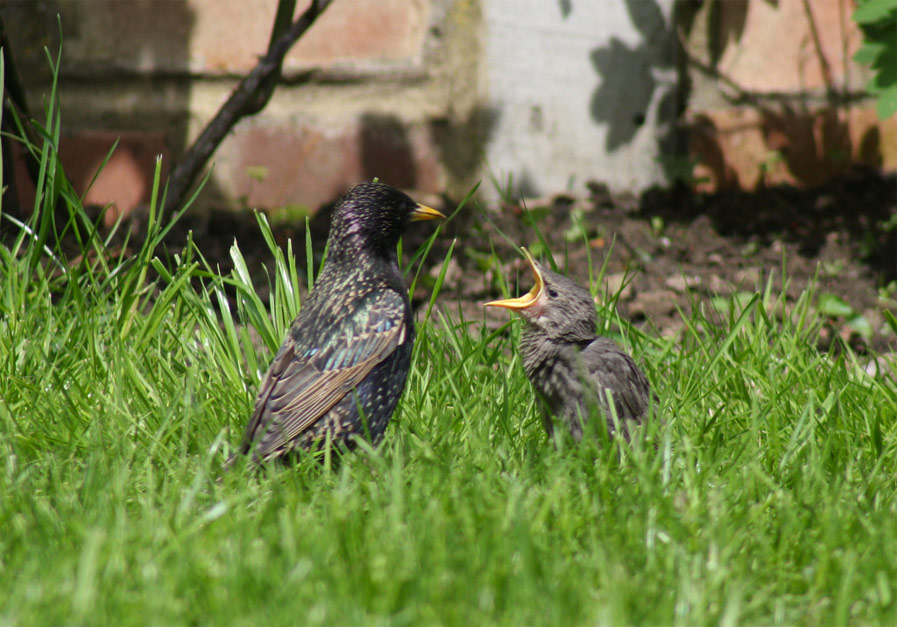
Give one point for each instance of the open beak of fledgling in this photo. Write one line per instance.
(423, 212)
(530, 298)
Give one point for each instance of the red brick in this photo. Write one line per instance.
(364, 30)
(306, 165)
(771, 45)
(741, 147)
(125, 182)
(210, 36)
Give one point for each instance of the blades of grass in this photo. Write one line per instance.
(214, 335)
(765, 302)
(803, 431)
(309, 256)
(207, 318)
(421, 254)
(163, 303)
(594, 282)
(692, 327)
(30, 234)
(44, 203)
(77, 216)
(535, 226)
(440, 279)
(890, 319)
(39, 214)
(503, 282)
(255, 311)
(2, 99)
(252, 362)
(102, 165)
(56, 175)
(285, 300)
(293, 279)
(323, 258)
(743, 319)
(134, 281)
(232, 342)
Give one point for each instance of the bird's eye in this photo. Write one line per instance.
(552, 293)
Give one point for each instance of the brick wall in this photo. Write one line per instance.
(365, 93)
(774, 94)
(437, 94)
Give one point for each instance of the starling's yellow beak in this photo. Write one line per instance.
(423, 212)
(528, 299)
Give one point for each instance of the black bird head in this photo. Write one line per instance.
(372, 216)
(556, 306)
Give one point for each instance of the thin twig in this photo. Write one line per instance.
(249, 97)
(817, 43)
(762, 99)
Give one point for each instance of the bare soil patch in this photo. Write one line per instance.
(670, 249)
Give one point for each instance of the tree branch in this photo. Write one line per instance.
(765, 100)
(817, 44)
(249, 97)
(15, 98)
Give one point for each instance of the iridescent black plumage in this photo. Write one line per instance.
(571, 368)
(343, 364)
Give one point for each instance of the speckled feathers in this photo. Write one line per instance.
(343, 365)
(573, 370)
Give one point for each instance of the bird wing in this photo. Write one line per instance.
(611, 368)
(309, 376)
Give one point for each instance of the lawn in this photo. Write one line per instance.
(763, 490)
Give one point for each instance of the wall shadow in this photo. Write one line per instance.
(462, 143)
(806, 146)
(628, 80)
(805, 141)
(134, 63)
(386, 151)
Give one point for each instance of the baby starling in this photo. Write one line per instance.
(343, 364)
(572, 369)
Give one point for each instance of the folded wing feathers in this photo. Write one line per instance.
(305, 384)
(612, 369)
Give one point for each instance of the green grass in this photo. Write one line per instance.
(768, 498)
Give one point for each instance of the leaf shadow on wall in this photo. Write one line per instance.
(386, 151)
(628, 77)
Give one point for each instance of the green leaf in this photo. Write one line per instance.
(873, 11)
(885, 67)
(891, 320)
(886, 105)
(860, 325)
(869, 52)
(831, 305)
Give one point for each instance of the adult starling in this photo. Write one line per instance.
(344, 362)
(573, 370)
